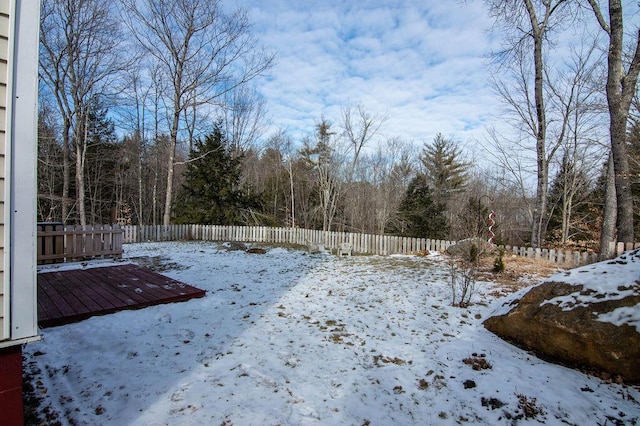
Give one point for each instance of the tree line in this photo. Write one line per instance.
(148, 115)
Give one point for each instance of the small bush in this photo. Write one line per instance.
(463, 285)
(498, 264)
(473, 254)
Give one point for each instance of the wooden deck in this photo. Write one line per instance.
(73, 295)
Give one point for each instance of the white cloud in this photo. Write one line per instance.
(421, 63)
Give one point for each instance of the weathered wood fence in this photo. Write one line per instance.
(361, 243)
(59, 243)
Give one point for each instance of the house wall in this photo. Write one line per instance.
(19, 24)
(5, 25)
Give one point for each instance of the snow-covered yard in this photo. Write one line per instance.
(287, 338)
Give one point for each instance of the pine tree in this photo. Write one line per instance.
(444, 168)
(421, 215)
(210, 193)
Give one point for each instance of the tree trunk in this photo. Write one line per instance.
(607, 234)
(621, 87)
(80, 187)
(166, 218)
(293, 199)
(624, 198)
(618, 125)
(541, 155)
(66, 169)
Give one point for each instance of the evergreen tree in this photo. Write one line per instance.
(421, 215)
(444, 168)
(210, 193)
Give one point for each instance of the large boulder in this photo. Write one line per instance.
(588, 317)
(471, 248)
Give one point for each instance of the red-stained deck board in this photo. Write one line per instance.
(74, 295)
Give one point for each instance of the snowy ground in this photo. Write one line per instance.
(287, 338)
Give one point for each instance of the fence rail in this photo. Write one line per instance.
(361, 243)
(59, 243)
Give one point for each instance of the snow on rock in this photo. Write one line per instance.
(586, 317)
(289, 338)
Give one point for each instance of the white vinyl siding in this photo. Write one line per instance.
(19, 24)
(5, 25)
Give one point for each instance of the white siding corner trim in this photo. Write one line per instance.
(20, 170)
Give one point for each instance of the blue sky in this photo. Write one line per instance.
(422, 63)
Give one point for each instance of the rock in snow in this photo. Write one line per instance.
(588, 317)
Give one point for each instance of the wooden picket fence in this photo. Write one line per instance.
(361, 243)
(59, 243)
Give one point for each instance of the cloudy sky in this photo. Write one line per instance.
(422, 63)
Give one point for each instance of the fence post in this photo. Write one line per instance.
(544, 254)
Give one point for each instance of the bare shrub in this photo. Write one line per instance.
(463, 284)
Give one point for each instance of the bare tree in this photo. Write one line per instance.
(529, 23)
(204, 53)
(620, 88)
(245, 118)
(79, 57)
(574, 101)
(392, 169)
(360, 127)
(329, 180)
(49, 164)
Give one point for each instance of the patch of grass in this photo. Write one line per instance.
(392, 263)
(377, 359)
(528, 407)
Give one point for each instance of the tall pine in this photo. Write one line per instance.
(445, 170)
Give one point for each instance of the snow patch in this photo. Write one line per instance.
(625, 315)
